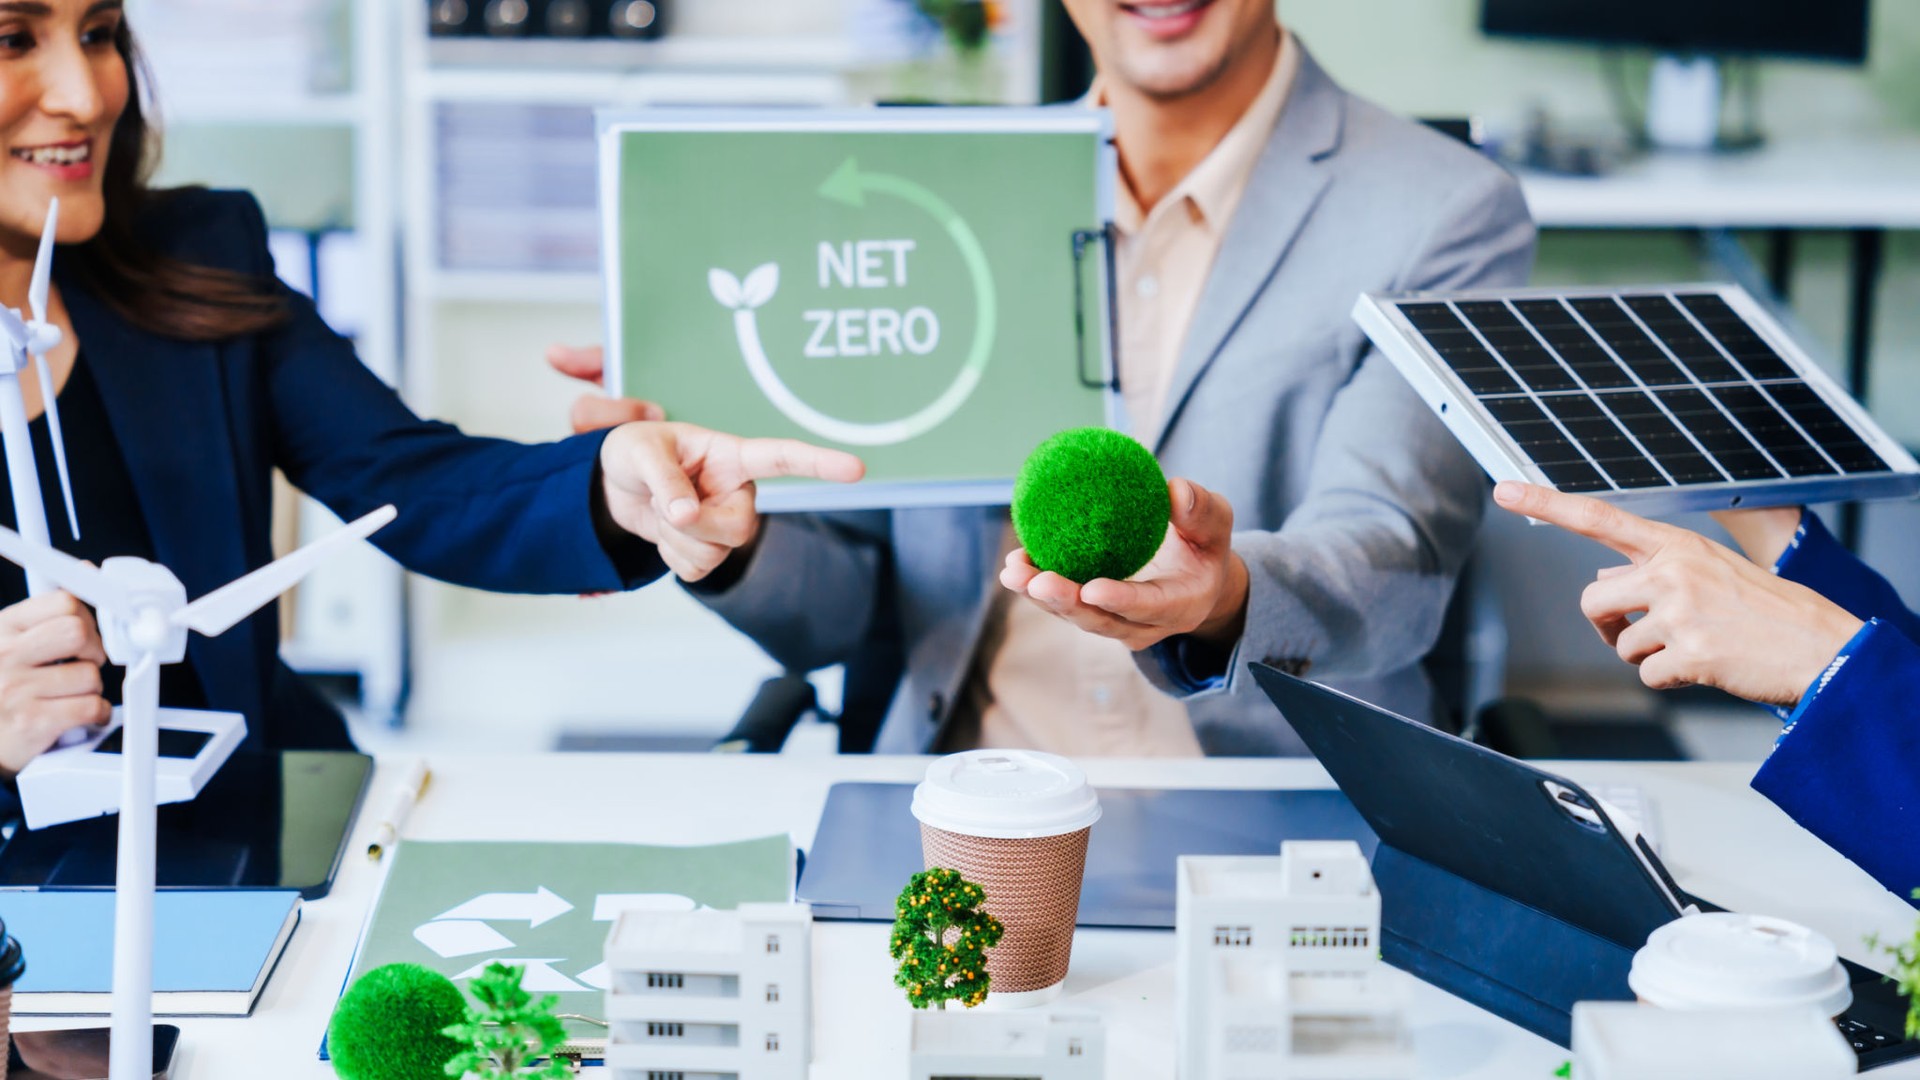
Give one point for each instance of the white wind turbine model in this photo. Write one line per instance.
(30, 341)
(144, 618)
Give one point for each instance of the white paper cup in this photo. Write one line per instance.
(1015, 823)
(1723, 960)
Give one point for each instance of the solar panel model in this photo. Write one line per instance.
(1660, 399)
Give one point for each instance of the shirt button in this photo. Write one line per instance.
(1147, 287)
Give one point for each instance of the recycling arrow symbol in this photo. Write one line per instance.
(466, 929)
(535, 908)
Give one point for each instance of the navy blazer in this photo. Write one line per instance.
(1844, 767)
(203, 426)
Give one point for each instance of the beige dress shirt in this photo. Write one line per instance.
(1038, 681)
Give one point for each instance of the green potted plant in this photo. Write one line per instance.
(940, 938)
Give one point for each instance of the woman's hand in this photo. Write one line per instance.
(50, 657)
(592, 412)
(1706, 616)
(690, 491)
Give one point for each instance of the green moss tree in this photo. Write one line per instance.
(508, 1031)
(941, 938)
(390, 1025)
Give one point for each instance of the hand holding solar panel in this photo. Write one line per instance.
(1663, 398)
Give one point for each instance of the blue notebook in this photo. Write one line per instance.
(212, 951)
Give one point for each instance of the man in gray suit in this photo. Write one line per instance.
(1323, 513)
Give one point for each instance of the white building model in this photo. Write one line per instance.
(1277, 973)
(710, 995)
(963, 1044)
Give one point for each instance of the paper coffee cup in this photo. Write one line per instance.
(13, 964)
(1015, 823)
(1722, 960)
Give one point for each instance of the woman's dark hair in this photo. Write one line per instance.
(156, 293)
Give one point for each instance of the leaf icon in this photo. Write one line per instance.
(760, 285)
(725, 287)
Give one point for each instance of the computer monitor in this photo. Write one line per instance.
(1812, 29)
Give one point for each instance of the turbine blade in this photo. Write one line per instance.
(51, 402)
(43, 265)
(65, 571)
(15, 328)
(215, 612)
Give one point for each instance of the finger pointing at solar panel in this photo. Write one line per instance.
(1689, 611)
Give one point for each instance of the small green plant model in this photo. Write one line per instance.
(1905, 972)
(507, 1031)
(941, 938)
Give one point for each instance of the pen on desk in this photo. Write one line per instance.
(396, 816)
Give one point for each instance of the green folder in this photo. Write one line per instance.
(455, 906)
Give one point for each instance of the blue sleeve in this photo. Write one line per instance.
(1815, 559)
(1847, 765)
(485, 513)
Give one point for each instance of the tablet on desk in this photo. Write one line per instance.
(276, 820)
(1508, 885)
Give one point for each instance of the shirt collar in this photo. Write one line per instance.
(1212, 190)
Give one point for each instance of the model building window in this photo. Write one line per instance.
(773, 993)
(1075, 1048)
(665, 980)
(659, 1030)
(773, 1041)
(1233, 937)
(663, 1074)
(773, 943)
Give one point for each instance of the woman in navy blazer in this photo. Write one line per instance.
(196, 373)
(1798, 624)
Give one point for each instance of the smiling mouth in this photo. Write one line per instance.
(1166, 11)
(75, 154)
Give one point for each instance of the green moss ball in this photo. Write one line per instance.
(387, 1027)
(1091, 503)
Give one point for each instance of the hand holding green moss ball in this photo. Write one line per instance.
(389, 1026)
(1091, 503)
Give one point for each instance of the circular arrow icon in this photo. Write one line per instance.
(849, 185)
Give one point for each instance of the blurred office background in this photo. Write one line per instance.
(429, 169)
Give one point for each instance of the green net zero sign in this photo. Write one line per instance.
(900, 283)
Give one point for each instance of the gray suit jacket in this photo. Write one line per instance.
(1354, 509)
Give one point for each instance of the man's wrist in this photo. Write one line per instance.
(1224, 624)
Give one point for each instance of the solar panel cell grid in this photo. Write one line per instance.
(1640, 391)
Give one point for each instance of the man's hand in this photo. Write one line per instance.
(1195, 584)
(1706, 616)
(689, 491)
(592, 412)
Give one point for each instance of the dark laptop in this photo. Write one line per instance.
(1505, 884)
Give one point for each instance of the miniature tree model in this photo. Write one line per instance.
(389, 1026)
(508, 1031)
(941, 938)
(1905, 972)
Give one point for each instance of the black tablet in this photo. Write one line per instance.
(1506, 884)
(269, 820)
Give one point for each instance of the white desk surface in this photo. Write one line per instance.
(1797, 182)
(1721, 840)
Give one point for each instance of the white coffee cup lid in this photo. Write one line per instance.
(1006, 794)
(1722, 960)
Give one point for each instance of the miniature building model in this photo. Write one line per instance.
(962, 1044)
(1278, 973)
(710, 995)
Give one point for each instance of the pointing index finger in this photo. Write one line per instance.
(1629, 534)
(764, 459)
